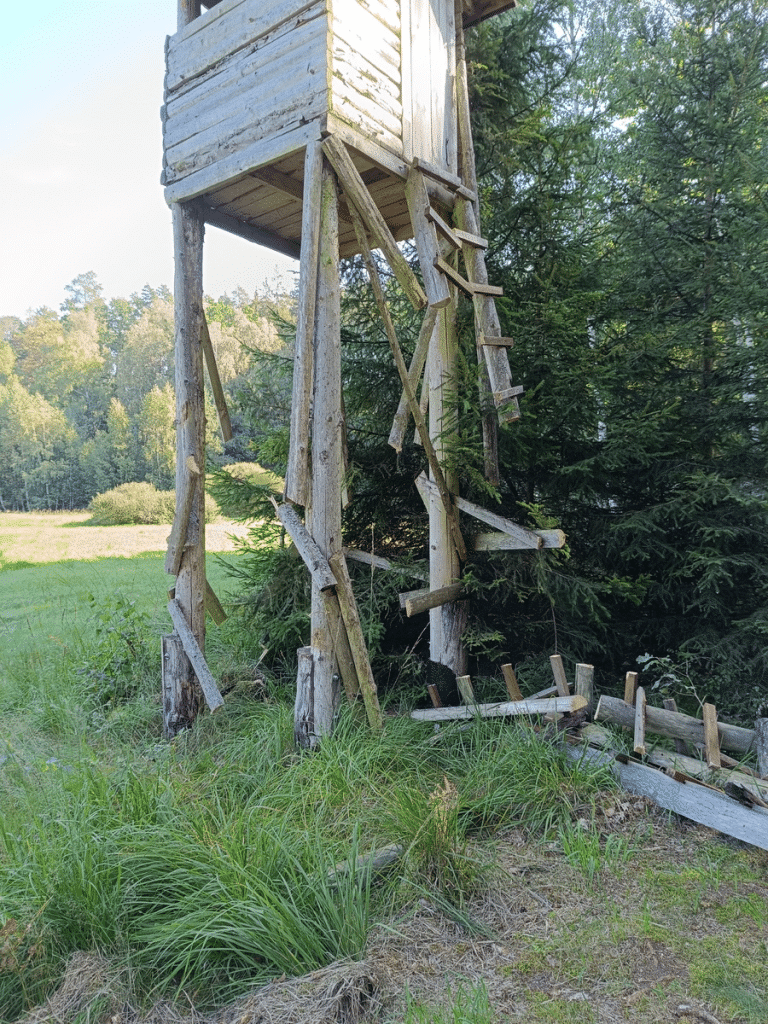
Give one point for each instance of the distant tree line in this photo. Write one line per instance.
(87, 394)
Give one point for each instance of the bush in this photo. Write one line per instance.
(134, 503)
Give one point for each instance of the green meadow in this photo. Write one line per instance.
(192, 872)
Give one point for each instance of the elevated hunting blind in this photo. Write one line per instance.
(326, 128)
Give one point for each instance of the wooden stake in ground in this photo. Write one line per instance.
(761, 740)
(510, 680)
(639, 740)
(584, 677)
(711, 740)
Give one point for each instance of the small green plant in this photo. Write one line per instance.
(583, 849)
(469, 1004)
(118, 659)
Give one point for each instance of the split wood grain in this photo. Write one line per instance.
(434, 695)
(340, 645)
(464, 684)
(761, 745)
(178, 536)
(213, 605)
(208, 685)
(425, 236)
(630, 688)
(555, 705)
(585, 675)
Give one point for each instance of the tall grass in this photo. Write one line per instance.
(209, 864)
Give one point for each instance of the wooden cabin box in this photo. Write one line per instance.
(250, 82)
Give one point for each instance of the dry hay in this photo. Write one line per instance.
(343, 993)
(88, 978)
(94, 990)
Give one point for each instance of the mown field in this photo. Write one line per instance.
(149, 881)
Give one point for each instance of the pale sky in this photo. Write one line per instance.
(81, 155)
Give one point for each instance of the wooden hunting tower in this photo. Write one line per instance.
(325, 128)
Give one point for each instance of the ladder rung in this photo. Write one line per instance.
(445, 229)
(504, 396)
(474, 240)
(452, 181)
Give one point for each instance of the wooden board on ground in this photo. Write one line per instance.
(554, 705)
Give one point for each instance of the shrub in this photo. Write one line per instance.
(139, 503)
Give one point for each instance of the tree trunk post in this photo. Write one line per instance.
(323, 510)
(446, 622)
(181, 699)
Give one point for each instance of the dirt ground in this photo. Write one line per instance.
(672, 926)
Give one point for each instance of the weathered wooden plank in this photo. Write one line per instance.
(207, 45)
(364, 115)
(555, 705)
(674, 724)
(340, 645)
(181, 702)
(432, 599)
(485, 339)
(445, 229)
(219, 398)
(213, 605)
(639, 735)
(314, 559)
(435, 284)
(198, 180)
(418, 417)
(409, 595)
(464, 683)
(357, 194)
(356, 640)
(503, 542)
(761, 745)
(250, 232)
(213, 697)
(526, 538)
(400, 422)
(699, 803)
(315, 708)
(630, 688)
(711, 740)
(380, 49)
(296, 477)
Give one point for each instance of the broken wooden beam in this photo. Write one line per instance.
(711, 739)
(630, 688)
(213, 697)
(555, 705)
(219, 398)
(311, 554)
(425, 236)
(177, 538)
(504, 542)
(422, 602)
(585, 675)
(213, 605)
(673, 724)
(558, 674)
(702, 804)
(639, 737)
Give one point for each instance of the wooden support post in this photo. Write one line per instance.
(711, 739)
(630, 688)
(584, 678)
(177, 538)
(639, 737)
(189, 520)
(297, 473)
(219, 398)
(323, 513)
(558, 672)
(510, 681)
(186, 11)
(446, 623)
(394, 344)
(464, 684)
(315, 707)
(761, 741)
